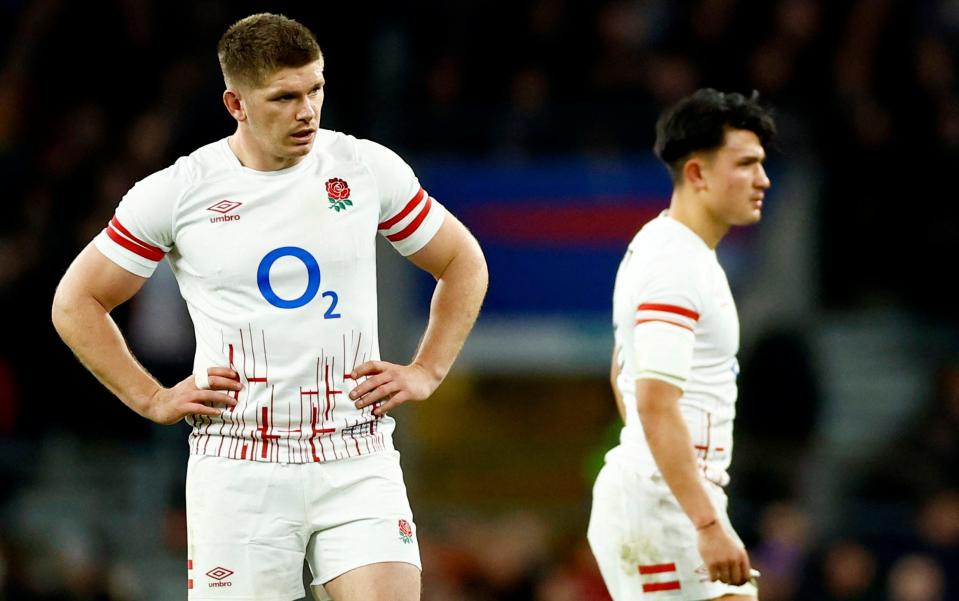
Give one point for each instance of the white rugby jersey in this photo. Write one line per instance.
(675, 320)
(278, 272)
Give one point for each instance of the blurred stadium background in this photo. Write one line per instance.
(532, 120)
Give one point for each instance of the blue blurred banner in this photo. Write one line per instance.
(553, 230)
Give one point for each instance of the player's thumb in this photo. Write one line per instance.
(201, 378)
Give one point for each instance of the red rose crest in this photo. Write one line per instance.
(338, 191)
(406, 531)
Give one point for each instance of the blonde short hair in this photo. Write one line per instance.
(255, 47)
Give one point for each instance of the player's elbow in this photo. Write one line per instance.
(469, 266)
(481, 270)
(62, 312)
(66, 312)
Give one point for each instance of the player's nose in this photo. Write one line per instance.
(306, 111)
(762, 180)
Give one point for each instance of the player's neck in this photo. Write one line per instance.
(693, 213)
(250, 155)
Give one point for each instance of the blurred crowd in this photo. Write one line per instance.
(94, 96)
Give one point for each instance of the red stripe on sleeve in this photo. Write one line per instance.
(417, 199)
(408, 230)
(685, 327)
(658, 568)
(116, 223)
(133, 247)
(653, 587)
(669, 309)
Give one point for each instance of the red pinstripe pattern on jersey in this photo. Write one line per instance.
(243, 350)
(407, 231)
(300, 442)
(264, 430)
(252, 351)
(331, 392)
(317, 431)
(236, 393)
(417, 199)
(266, 356)
(356, 441)
(272, 438)
(208, 423)
(226, 416)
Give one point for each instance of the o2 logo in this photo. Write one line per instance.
(312, 283)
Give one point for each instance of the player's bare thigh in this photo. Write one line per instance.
(387, 581)
(735, 598)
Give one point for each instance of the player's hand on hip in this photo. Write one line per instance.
(170, 405)
(390, 385)
(725, 556)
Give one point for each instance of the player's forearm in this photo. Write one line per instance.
(87, 328)
(456, 303)
(672, 448)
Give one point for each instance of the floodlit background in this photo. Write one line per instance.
(533, 121)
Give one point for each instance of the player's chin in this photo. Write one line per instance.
(755, 215)
(299, 149)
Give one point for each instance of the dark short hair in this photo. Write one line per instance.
(255, 47)
(699, 122)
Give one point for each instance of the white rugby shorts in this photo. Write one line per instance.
(646, 546)
(250, 524)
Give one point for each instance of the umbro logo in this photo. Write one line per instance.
(220, 574)
(223, 207)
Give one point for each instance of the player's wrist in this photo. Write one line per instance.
(707, 524)
(434, 373)
(150, 401)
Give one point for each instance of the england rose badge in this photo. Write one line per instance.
(406, 531)
(338, 192)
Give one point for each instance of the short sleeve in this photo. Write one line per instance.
(141, 231)
(409, 216)
(667, 304)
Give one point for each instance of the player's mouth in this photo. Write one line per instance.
(304, 135)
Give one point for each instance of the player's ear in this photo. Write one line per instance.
(694, 172)
(234, 105)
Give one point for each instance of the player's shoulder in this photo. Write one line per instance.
(345, 147)
(664, 235)
(335, 144)
(660, 236)
(208, 162)
(211, 162)
(668, 248)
